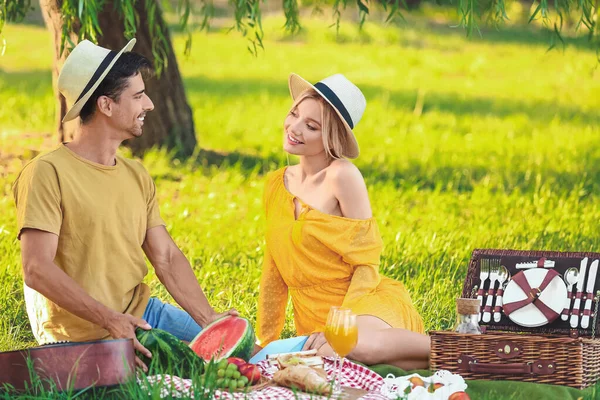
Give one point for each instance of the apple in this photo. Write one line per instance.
(459, 396)
(251, 372)
(237, 361)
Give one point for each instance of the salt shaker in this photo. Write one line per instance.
(467, 311)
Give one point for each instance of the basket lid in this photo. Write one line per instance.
(529, 268)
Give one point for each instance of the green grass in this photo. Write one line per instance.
(502, 154)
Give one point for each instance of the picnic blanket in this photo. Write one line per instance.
(507, 390)
(358, 376)
(353, 375)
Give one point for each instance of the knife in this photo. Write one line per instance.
(575, 312)
(591, 282)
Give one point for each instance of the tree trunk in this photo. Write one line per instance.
(171, 123)
(51, 13)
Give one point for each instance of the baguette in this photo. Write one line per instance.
(304, 378)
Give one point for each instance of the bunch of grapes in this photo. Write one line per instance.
(224, 375)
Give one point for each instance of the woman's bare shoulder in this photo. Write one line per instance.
(344, 172)
(350, 190)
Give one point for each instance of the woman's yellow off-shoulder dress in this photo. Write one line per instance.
(322, 260)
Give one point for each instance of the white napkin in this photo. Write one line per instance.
(394, 387)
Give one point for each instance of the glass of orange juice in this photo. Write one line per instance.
(341, 333)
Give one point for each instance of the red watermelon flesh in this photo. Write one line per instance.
(229, 336)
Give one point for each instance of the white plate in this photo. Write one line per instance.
(553, 296)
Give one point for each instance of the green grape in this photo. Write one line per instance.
(241, 383)
(232, 367)
(236, 374)
(225, 383)
(222, 364)
(220, 382)
(229, 373)
(245, 380)
(232, 384)
(221, 373)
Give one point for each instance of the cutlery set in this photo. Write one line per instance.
(580, 295)
(490, 268)
(580, 284)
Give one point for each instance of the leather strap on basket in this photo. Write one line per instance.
(537, 367)
(532, 295)
(498, 308)
(541, 262)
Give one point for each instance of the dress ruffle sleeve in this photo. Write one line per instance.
(362, 251)
(273, 292)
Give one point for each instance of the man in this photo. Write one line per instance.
(86, 216)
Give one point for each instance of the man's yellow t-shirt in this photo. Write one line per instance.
(101, 215)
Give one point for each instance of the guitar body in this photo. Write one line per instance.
(70, 365)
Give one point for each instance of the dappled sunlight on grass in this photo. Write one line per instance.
(488, 142)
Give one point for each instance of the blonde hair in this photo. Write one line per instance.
(335, 139)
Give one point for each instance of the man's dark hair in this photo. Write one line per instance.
(129, 64)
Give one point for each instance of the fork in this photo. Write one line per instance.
(484, 271)
(494, 269)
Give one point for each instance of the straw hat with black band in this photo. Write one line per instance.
(346, 99)
(83, 71)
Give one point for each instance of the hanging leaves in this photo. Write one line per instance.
(160, 44)
(393, 9)
(290, 11)
(80, 17)
(247, 14)
(126, 10)
(185, 9)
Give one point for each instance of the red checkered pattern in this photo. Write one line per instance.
(353, 375)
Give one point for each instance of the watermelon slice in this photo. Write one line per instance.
(229, 336)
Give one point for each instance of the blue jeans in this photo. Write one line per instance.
(171, 319)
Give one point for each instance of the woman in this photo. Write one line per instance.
(322, 242)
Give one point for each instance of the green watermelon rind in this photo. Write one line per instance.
(244, 347)
(169, 354)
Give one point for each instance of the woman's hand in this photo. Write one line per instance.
(315, 341)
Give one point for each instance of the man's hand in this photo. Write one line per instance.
(315, 341)
(215, 316)
(122, 326)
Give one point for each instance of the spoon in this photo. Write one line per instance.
(503, 277)
(571, 276)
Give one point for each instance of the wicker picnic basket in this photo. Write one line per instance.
(553, 353)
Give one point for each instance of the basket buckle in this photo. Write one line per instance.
(506, 349)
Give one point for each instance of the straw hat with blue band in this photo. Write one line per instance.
(83, 71)
(346, 99)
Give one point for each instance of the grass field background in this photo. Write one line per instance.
(483, 143)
